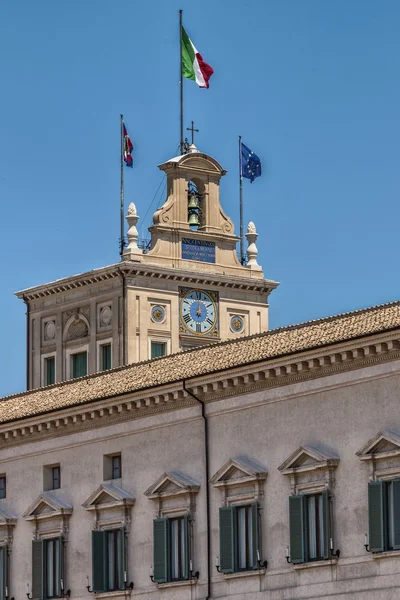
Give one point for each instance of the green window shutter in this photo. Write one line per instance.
(161, 550)
(256, 535)
(61, 556)
(227, 539)
(99, 557)
(121, 558)
(50, 370)
(158, 349)
(396, 513)
(5, 569)
(325, 524)
(185, 547)
(106, 357)
(37, 569)
(377, 516)
(297, 529)
(79, 364)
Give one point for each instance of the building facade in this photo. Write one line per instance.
(265, 467)
(186, 288)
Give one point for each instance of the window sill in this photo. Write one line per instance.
(318, 563)
(239, 574)
(386, 554)
(114, 594)
(172, 584)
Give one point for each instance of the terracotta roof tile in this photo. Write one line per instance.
(199, 361)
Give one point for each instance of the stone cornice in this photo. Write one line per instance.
(302, 366)
(133, 269)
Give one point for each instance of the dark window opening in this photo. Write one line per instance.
(158, 349)
(116, 467)
(50, 370)
(2, 487)
(79, 365)
(105, 357)
(56, 478)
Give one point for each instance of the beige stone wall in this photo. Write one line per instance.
(341, 411)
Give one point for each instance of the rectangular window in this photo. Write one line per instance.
(105, 357)
(52, 550)
(79, 365)
(239, 531)
(3, 486)
(309, 527)
(158, 349)
(384, 515)
(56, 478)
(116, 467)
(171, 544)
(108, 560)
(50, 370)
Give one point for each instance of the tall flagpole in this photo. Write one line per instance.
(121, 244)
(181, 81)
(242, 257)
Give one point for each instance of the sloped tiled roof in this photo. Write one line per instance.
(200, 361)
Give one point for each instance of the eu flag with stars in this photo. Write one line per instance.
(251, 164)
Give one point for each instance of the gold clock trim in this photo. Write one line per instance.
(183, 328)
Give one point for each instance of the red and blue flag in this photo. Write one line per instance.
(128, 147)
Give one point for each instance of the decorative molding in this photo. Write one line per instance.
(311, 470)
(49, 508)
(244, 379)
(7, 524)
(240, 480)
(111, 506)
(385, 444)
(174, 493)
(134, 270)
(382, 453)
(108, 495)
(170, 485)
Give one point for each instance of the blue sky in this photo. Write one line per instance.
(313, 87)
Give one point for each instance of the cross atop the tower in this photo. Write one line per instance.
(192, 129)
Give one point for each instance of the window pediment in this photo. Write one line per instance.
(108, 495)
(7, 519)
(238, 471)
(172, 484)
(308, 458)
(46, 506)
(385, 444)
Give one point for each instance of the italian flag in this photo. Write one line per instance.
(193, 65)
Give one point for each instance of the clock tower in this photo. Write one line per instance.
(185, 288)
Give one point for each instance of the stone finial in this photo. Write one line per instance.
(132, 212)
(252, 250)
(192, 149)
(133, 235)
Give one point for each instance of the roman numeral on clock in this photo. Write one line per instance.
(198, 328)
(187, 318)
(209, 321)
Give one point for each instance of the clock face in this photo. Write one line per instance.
(198, 312)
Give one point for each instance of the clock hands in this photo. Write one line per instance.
(198, 311)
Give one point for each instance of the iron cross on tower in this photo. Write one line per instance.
(192, 129)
